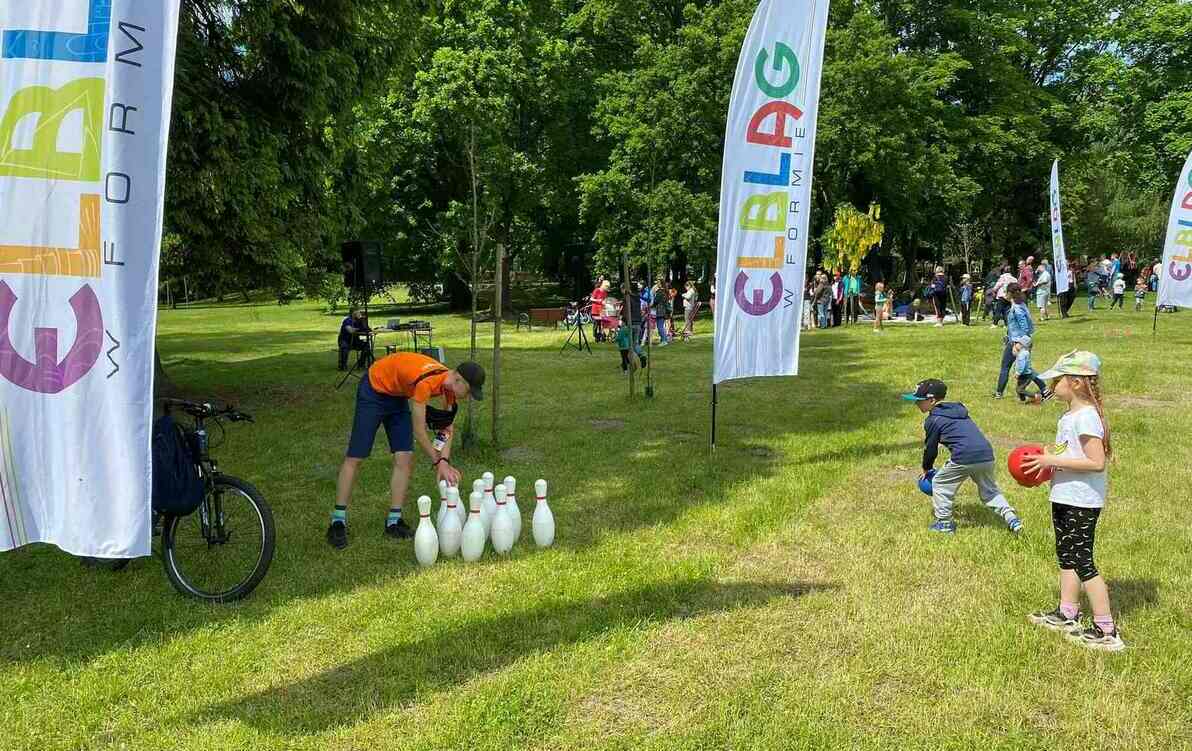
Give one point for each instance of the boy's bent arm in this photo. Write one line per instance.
(931, 446)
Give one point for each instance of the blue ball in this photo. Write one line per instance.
(925, 482)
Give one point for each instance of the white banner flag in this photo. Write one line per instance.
(1058, 255)
(1175, 277)
(765, 194)
(85, 94)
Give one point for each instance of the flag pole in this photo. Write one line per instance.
(714, 402)
(1155, 323)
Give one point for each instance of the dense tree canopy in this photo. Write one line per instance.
(578, 132)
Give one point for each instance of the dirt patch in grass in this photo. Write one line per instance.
(608, 424)
(762, 452)
(522, 454)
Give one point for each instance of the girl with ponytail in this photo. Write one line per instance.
(1078, 488)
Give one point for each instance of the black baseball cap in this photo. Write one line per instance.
(932, 388)
(474, 375)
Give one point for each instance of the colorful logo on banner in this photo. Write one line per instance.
(1179, 266)
(769, 212)
(51, 136)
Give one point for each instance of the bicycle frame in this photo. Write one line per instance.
(211, 516)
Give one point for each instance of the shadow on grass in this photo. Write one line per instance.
(971, 512)
(650, 473)
(1128, 595)
(855, 453)
(395, 676)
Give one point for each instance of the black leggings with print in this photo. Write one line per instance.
(1075, 530)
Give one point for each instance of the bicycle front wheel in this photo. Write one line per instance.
(221, 552)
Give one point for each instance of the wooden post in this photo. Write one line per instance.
(495, 379)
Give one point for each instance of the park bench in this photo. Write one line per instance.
(545, 315)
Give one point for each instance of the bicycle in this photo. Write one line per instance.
(221, 551)
(576, 313)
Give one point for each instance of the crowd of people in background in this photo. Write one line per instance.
(834, 298)
(651, 317)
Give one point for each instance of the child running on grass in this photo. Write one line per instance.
(626, 339)
(1077, 497)
(880, 303)
(971, 457)
(1026, 374)
(1140, 288)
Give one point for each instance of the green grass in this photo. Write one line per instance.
(782, 593)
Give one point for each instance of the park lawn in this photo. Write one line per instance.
(781, 593)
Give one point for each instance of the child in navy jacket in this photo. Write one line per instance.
(971, 456)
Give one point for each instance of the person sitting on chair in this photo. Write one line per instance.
(352, 336)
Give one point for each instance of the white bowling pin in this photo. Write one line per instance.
(490, 500)
(485, 519)
(460, 511)
(426, 540)
(451, 529)
(442, 504)
(502, 531)
(514, 510)
(471, 543)
(544, 521)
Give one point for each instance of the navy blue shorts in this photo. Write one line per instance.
(373, 410)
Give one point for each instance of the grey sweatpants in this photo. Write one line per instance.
(949, 479)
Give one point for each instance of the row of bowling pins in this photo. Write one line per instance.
(493, 515)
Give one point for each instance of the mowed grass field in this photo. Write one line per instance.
(782, 593)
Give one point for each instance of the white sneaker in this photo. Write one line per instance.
(1094, 638)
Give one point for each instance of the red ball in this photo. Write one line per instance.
(1020, 474)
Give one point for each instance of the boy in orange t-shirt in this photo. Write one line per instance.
(395, 393)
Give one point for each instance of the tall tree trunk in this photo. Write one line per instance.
(495, 379)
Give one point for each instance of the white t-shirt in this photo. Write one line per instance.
(1043, 279)
(1119, 286)
(1070, 487)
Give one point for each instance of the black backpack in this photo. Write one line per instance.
(177, 486)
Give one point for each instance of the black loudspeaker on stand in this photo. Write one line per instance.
(364, 265)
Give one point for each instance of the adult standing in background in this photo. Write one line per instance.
(1026, 276)
(690, 309)
(937, 291)
(966, 298)
(822, 296)
(1002, 302)
(852, 297)
(1068, 297)
(1043, 290)
(597, 308)
(837, 297)
(659, 307)
(713, 299)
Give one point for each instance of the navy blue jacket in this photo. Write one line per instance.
(950, 424)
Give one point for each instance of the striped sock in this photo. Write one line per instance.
(393, 518)
(1104, 622)
(340, 514)
(1070, 609)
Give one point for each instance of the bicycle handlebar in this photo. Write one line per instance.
(206, 410)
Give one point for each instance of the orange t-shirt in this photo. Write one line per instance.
(399, 374)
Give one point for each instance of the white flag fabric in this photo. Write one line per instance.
(1175, 277)
(1058, 255)
(85, 95)
(765, 194)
